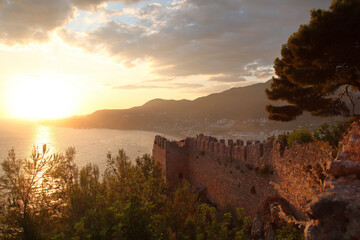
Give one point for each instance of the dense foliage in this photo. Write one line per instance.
(298, 135)
(332, 134)
(47, 197)
(319, 65)
(289, 232)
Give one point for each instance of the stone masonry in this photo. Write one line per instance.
(240, 174)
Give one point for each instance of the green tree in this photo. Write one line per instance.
(289, 231)
(318, 60)
(32, 194)
(300, 136)
(182, 208)
(47, 197)
(332, 134)
(130, 205)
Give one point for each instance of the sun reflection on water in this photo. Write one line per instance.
(43, 136)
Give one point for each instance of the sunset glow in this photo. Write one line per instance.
(64, 58)
(39, 97)
(179, 119)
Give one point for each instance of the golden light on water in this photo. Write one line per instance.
(43, 136)
(38, 97)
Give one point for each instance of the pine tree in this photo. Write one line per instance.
(319, 65)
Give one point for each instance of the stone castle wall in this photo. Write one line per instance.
(172, 157)
(237, 174)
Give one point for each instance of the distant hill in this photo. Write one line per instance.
(231, 112)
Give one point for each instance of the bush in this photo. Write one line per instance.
(332, 134)
(271, 138)
(290, 232)
(54, 200)
(300, 136)
(282, 138)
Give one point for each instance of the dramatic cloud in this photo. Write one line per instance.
(177, 37)
(209, 37)
(25, 21)
(22, 21)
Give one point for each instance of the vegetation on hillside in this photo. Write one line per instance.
(334, 133)
(297, 136)
(46, 196)
(331, 134)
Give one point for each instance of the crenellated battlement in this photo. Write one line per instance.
(236, 173)
(250, 152)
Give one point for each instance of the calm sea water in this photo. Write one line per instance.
(92, 145)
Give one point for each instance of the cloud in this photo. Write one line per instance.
(90, 5)
(227, 78)
(150, 10)
(205, 37)
(25, 21)
(170, 86)
(135, 87)
(177, 38)
(264, 73)
(187, 85)
(252, 66)
(160, 80)
(22, 21)
(94, 5)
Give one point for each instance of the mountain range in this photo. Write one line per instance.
(239, 111)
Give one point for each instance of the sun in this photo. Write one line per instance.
(40, 97)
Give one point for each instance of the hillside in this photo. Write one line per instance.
(231, 112)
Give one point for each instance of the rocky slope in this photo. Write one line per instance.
(335, 214)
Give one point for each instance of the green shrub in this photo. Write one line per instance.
(282, 138)
(332, 134)
(290, 232)
(300, 136)
(128, 202)
(271, 138)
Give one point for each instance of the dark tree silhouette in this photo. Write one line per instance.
(319, 65)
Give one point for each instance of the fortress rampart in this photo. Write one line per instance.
(241, 174)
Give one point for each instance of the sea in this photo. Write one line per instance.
(91, 145)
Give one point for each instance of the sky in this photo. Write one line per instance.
(60, 58)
